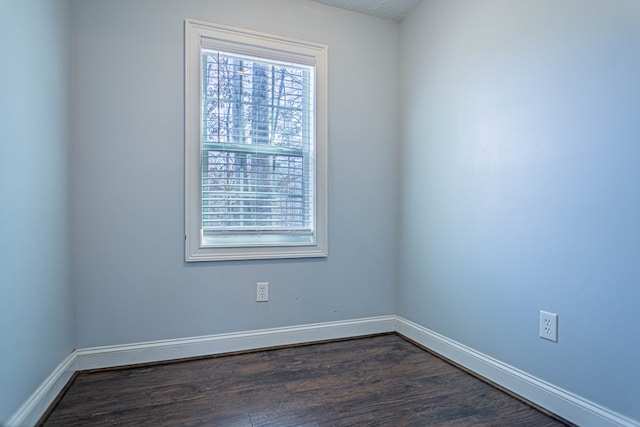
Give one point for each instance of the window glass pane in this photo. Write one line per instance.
(256, 146)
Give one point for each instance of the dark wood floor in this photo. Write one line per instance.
(375, 381)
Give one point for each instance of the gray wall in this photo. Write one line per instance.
(520, 170)
(127, 165)
(36, 311)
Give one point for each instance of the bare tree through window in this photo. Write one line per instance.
(256, 137)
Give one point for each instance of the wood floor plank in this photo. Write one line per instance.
(375, 381)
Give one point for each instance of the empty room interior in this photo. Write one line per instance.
(482, 166)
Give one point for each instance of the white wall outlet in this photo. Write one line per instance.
(262, 291)
(548, 326)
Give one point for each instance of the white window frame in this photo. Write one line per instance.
(199, 35)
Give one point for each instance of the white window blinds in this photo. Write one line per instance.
(257, 148)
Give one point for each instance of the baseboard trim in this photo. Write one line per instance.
(565, 404)
(36, 405)
(157, 351)
(561, 402)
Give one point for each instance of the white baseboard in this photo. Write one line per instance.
(36, 405)
(561, 402)
(567, 405)
(157, 351)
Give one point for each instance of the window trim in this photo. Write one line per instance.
(199, 35)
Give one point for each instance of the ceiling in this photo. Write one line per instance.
(395, 10)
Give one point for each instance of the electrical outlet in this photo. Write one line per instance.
(262, 291)
(548, 326)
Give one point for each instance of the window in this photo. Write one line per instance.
(256, 142)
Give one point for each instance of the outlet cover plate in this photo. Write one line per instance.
(262, 291)
(548, 326)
